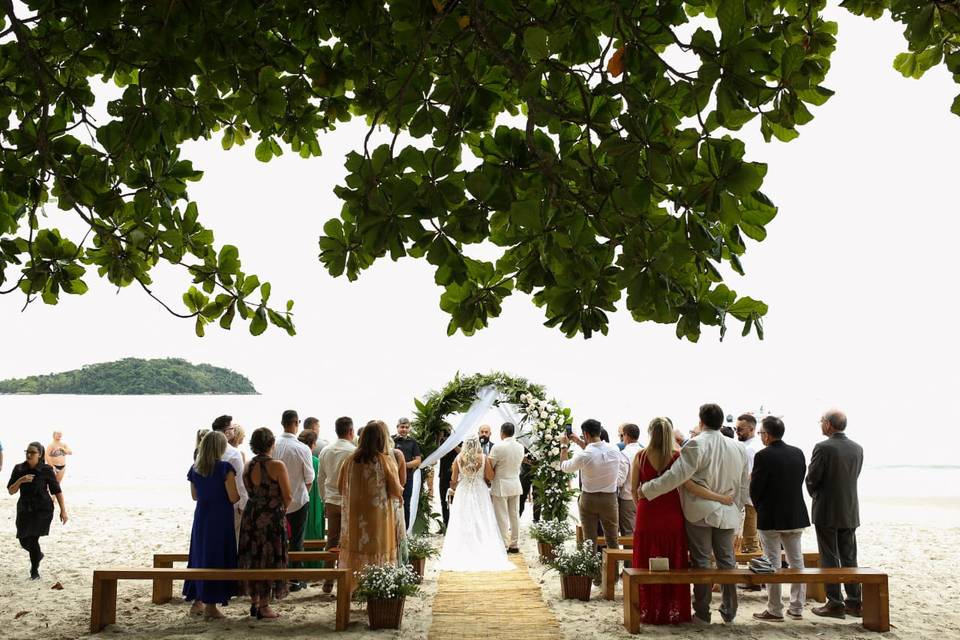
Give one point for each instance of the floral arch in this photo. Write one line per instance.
(539, 420)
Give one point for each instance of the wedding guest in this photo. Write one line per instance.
(328, 476)
(746, 433)
(238, 436)
(630, 436)
(369, 486)
(486, 444)
(718, 464)
(36, 482)
(620, 443)
(776, 486)
(411, 454)
(196, 446)
(446, 472)
(679, 438)
(313, 424)
(526, 484)
(298, 460)
(601, 473)
(832, 483)
(224, 424)
(263, 534)
(403, 476)
(314, 529)
(213, 486)
(57, 452)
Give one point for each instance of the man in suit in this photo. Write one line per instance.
(776, 487)
(446, 472)
(506, 457)
(832, 483)
(486, 444)
(718, 463)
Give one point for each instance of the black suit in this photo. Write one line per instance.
(446, 473)
(832, 483)
(776, 487)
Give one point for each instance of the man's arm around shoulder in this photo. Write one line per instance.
(681, 471)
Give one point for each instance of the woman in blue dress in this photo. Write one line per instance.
(212, 541)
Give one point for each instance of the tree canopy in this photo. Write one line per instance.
(592, 142)
(134, 376)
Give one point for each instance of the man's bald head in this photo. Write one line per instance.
(833, 421)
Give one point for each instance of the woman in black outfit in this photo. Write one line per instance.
(36, 482)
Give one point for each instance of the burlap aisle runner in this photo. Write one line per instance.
(491, 604)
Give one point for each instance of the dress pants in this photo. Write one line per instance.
(838, 548)
(298, 526)
(749, 543)
(704, 541)
(333, 513)
(507, 511)
(444, 505)
(527, 483)
(771, 541)
(600, 510)
(627, 516)
(407, 493)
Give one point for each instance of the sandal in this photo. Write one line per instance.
(766, 616)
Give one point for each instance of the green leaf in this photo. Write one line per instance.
(732, 16)
(535, 42)
(259, 323)
(228, 261)
(264, 151)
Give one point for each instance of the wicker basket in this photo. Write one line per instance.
(418, 564)
(546, 551)
(385, 614)
(576, 587)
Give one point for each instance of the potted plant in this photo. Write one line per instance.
(550, 534)
(385, 588)
(579, 568)
(420, 548)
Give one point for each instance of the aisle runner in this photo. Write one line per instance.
(491, 604)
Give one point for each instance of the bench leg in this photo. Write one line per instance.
(343, 602)
(103, 604)
(815, 591)
(609, 576)
(876, 606)
(579, 535)
(631, 604)
(162, 588)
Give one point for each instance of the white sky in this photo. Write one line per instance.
(855, 270)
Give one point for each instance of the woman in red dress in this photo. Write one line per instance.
(659, 531)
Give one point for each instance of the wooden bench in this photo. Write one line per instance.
(163, 587)
(314, 545)
(623, 541)
(876, 599)
(103, 604)
(613, 557)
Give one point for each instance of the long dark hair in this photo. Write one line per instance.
(43, 452)
(371, 444)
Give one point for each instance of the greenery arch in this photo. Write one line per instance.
(541, 418)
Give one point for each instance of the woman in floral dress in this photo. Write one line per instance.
(263, 533)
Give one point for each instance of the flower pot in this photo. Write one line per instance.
(418, 565)
(546, 551)
(576, 587)
(385, 614)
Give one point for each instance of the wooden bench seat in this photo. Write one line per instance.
(314, 545)
(876, 599)
(163, 587)
(103, 604)
(613, 557)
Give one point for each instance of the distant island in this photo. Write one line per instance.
(135, 376)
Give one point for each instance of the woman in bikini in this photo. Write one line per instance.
(57, 452)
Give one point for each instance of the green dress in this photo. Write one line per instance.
(316, 528)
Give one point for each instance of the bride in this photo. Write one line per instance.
(473, 540)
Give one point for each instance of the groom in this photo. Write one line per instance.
(506, 458)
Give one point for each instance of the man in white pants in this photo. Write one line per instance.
(506, 457)
(776, 487)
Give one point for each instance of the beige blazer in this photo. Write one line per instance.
(506, 458)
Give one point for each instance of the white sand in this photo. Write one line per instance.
(923, 562)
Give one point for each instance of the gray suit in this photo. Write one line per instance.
(832, 483)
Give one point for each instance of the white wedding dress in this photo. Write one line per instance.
(473, 541)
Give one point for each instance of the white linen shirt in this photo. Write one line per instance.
(752, 445)
(599, 467)
(629, 453)
(331, 461)
(233, 457)
(296, 457)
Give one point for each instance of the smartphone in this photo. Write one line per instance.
(569, 429)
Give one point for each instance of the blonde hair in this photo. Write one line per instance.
(212, 448)
(387, 439)
(661, 445)
(471, 455)
(238, 435)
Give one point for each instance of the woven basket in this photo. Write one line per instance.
(546, 552)
(576, 587)
(419, 564)
(385, 614)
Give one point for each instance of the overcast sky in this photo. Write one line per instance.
(856, 270)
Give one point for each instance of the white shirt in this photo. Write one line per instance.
(629, 454)
(233, 457)
(752, 445)
(599, 467)
(296, 457)
(331, 461)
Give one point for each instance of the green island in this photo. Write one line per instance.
(135, 376)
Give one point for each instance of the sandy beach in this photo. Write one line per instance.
(921, 561)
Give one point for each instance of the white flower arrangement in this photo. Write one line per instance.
(386, 582)
(553, 532)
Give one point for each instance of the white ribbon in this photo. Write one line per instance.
(485, 399)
